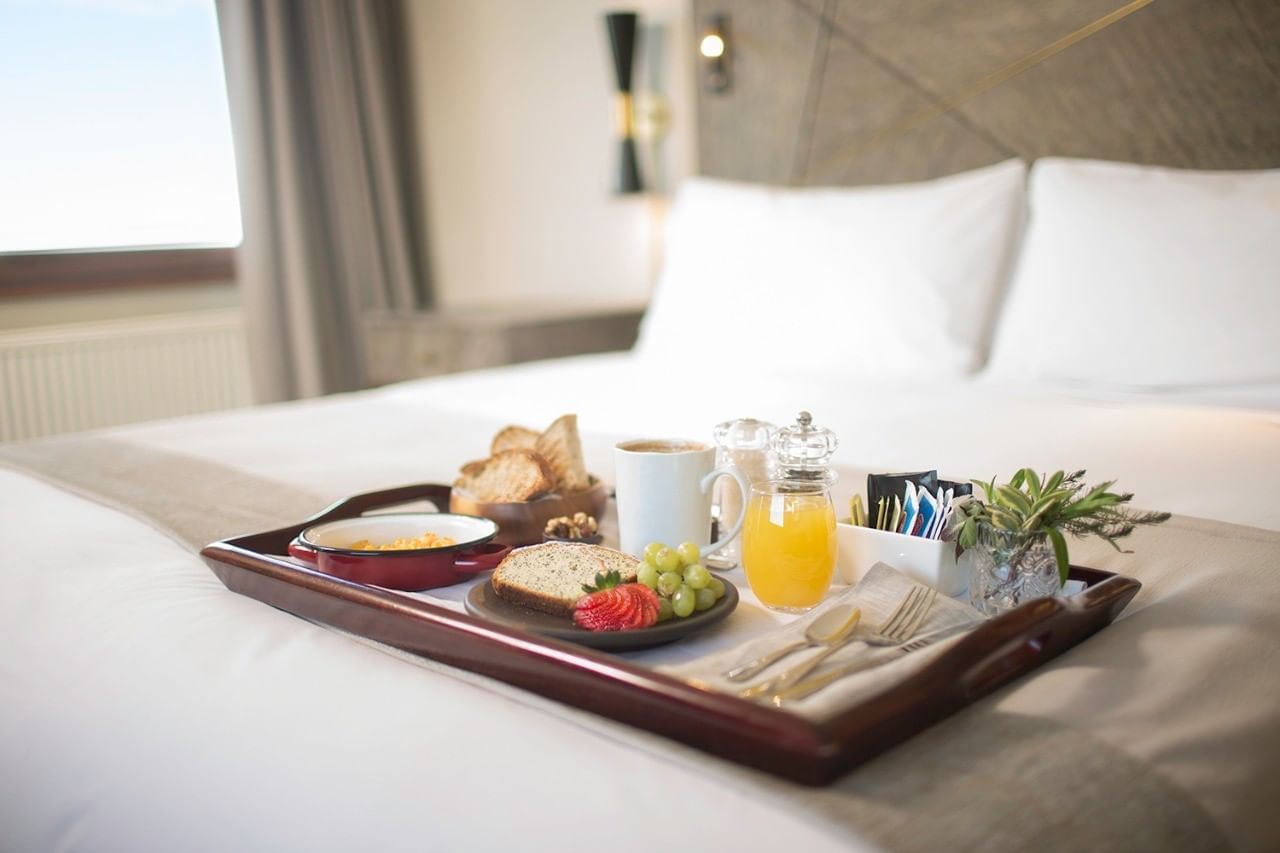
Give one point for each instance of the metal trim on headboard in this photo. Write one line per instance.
(861, 91)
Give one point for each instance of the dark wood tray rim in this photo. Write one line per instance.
(776, 741)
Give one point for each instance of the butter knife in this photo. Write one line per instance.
(813, 683)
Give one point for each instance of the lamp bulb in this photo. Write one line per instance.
(712, 46)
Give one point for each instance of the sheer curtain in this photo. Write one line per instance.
(328, 185)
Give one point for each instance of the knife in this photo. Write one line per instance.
(813, 683)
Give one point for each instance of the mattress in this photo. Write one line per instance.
(142, 705)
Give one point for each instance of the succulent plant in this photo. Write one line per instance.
(1029, 506)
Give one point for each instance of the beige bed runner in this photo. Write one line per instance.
(1099, 750)
(191, 500)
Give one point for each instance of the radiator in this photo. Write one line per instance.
(88, 375)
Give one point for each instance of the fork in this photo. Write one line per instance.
(814, 683)
(908, 623)
(898, 628)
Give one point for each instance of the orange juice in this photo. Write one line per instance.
(789, 546)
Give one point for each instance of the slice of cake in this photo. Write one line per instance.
(550, 577)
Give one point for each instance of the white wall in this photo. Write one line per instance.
(515, 107)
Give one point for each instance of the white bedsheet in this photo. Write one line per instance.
(143, 706)
(1185, 458)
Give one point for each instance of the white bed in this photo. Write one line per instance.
(143, 706)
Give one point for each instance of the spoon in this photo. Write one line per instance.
(829, 628)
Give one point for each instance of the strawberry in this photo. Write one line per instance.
(648, 600)
(610, 605)
(601, 612)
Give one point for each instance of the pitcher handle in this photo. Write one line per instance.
(707, 481)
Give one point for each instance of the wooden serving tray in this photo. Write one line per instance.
(773, 740)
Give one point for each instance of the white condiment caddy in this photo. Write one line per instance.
(929, 561)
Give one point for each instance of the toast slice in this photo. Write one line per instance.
(549, 577)
(514, 438)
(509, 476)
(561, 446)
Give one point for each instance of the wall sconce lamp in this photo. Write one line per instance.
(622, 42)
(713, 46)
(641, 116)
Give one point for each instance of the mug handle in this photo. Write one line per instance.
(728, 471)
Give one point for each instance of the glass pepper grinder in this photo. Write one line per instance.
(743, 444)
(802, 453)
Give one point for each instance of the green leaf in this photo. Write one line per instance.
(1056, 496)
(1098, 491)
(989, 489)
(1033, 484)
(1052, 484)
(604, 580)
(1038, 512)
(1017, 479)
(1013, 499)
(1003, 519)
(994, 511)
(1059, 554)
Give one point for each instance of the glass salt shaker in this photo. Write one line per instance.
(743, 444)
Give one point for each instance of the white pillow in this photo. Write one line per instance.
(892, 281)
(1145, 276)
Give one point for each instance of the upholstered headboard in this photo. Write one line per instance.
(876, 91)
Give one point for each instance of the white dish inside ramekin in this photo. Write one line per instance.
(465, 530)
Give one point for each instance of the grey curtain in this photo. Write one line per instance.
(328, 185)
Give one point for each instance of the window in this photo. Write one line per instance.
(114, 134)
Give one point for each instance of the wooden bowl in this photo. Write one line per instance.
(522, 523)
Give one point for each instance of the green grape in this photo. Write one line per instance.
(703, 599)
(665, 610)
(647, 574)
(669, 582)
(689, 552)
(717, 586)
(684, 601)
(667, 560)
(697, 577)
(651, 551)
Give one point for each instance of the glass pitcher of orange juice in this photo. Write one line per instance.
(789, 544)
(789, 534)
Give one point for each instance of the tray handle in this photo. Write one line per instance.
(357, 505)
(1038, 630)
(1006, 662)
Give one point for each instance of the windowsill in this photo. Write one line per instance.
(26, 274)
(24, 313)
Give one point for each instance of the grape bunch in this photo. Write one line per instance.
(683, 584)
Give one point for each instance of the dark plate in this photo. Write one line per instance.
(482, 601)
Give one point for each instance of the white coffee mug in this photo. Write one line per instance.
(664, 494)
